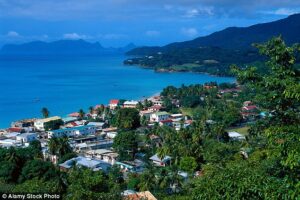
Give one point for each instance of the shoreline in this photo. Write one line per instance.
(165, 70)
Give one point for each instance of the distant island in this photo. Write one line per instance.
(215, 53)
(62, 47)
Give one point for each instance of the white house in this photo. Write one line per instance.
(146, 113)
(73, 132)
(103, 154)
(113, 103)
(26, 137)
(39, 124)
(98, 125)
(236, 136)
(160, 162)
(130, 104)
(159, 116)
(111, 134)
(90, 163)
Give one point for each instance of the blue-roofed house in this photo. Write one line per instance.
(73, 132)
(67, 120)
(131, 166)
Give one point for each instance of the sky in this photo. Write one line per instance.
(144, 22)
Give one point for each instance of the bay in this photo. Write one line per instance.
(66, 84)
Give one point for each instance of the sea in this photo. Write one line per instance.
(65, 84)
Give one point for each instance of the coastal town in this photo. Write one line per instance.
(90, 136)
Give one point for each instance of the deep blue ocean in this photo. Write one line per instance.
(66, 84)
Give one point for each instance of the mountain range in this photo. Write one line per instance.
(62, 47)
(236, 38)
(215, 53)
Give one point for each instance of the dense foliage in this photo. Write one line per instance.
(206, 163)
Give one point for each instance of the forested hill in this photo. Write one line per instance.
(236, 37)
(214, 53)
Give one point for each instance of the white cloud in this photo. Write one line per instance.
(281, 11)
(13, 34)
(189, 32)
(284, 11)
(152, 33)
(74, 36)
(194, 12)
(191, 13)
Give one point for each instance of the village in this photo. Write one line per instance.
(91, 135)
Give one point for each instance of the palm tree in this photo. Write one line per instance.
(45, 112)
(59, 146)
(53, 145)
(13, 157)
(64, 146)
(91, 109)
(81, 113)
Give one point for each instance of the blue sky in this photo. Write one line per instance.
(144, 22)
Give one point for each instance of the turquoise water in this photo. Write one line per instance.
(66, 84)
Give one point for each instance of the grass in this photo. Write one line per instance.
(241, 130)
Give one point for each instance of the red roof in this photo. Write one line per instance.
(155, 107)
(74, 114)
(114, 101)
(166, 121)
(15, 129)
(249, 107)
(74, 124)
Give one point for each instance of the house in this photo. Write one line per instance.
(146, 195)
(12, 135)
(7, 143)
(113, 103)
(26, 137)
(251, 108)
(247, 103)
(231, 90)
(103, 154)
(74, 114)
(236, 136)
(250, 112)
(167, 122)
(90, 163)
(98, 125)
(176, 117)
(15, 130)
(156, 100)
(160, 162)
(67, 120)
(111, 134)
(146, 113)
(110, 129)
(131, 166)
(159, 116)
(130, 104)
(23, 123)
(39, 124)
(73, 132)
(92, 145)
(155, 108)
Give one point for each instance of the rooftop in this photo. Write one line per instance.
(162, 113)
(156, 158)
(77, 128)
(49, 119)
(131, 102)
